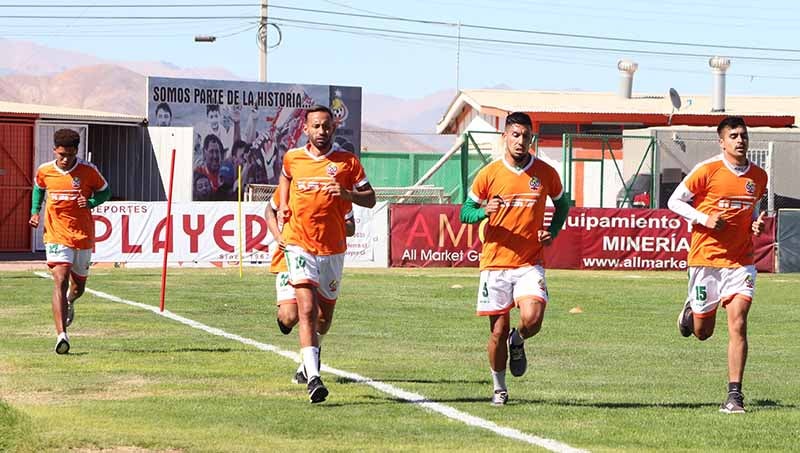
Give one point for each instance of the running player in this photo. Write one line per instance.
(514, 190)
(317, 185)
(73, 187)
(287, 303)
(724, 192)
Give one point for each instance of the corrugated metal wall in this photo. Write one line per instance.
(125, 156)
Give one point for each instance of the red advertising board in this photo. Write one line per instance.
(592, 238)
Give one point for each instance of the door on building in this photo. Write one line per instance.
(16, 182)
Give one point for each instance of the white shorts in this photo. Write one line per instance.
(323, 272)
(283, 289)
(499, 290)
(78, 259)
(708, 286)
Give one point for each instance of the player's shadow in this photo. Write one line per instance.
(756, 404)
(341, 380)
(179, 350)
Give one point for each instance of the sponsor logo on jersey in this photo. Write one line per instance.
(332, 169)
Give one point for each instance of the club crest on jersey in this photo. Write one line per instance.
(333, 285)
(76, 182)
(748, 282)
(332, 169)
(750, 187)
(535, 183)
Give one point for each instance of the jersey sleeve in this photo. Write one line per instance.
(695, 181)
(98, 182)
(286, 168)
(39, 180)
(480, 187)
(555, 188)
(359, 175)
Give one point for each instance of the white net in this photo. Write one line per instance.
(410, 194)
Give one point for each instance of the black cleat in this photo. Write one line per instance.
(686, 319)
(70, 314)
(316, 390)
(734, 404)
(517, 362)
(300, 378)
(284, 329)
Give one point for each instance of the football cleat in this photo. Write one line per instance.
(517, 362)
(500, 398)
(734, 404)
(62, 344)
(284, 329)
(686, 319)
(317, 392)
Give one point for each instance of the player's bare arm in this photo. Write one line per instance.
(283, 196)
(272, 225)
(758, 225)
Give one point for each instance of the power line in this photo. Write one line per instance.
(536, 44)
(534, 32)
(390, 18)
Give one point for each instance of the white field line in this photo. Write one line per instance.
(396, 392)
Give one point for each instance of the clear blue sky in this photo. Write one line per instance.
(409, 66)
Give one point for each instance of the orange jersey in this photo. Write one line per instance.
(66, 223)
(511, 238)
(716, 186)
(316, 221)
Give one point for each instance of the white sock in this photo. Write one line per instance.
(301, 368)
(310, 354)
(516, 338)
(499, 379)
(63, 335)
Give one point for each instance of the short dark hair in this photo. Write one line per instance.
(237, 145)
(164, 106)
(212, 107)
(212, 138)
(319, 108)
(518, 118)
(66, 138)
(731, 122)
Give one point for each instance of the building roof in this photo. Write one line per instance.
(50, 112)
(495, 101)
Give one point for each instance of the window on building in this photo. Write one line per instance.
(557, 130)
(601, 129)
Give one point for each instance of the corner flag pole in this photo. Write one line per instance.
(169, 230)
(241, 233)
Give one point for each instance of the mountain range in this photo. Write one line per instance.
(31, 73)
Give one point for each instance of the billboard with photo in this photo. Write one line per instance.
(247, 126)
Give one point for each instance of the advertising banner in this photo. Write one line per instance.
(246, 124)
(592, 238)
(135, 232)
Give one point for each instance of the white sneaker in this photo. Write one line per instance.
(500, 398)
(62, 343)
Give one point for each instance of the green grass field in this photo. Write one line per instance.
(617, 377)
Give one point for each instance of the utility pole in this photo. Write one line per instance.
(262, 43)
